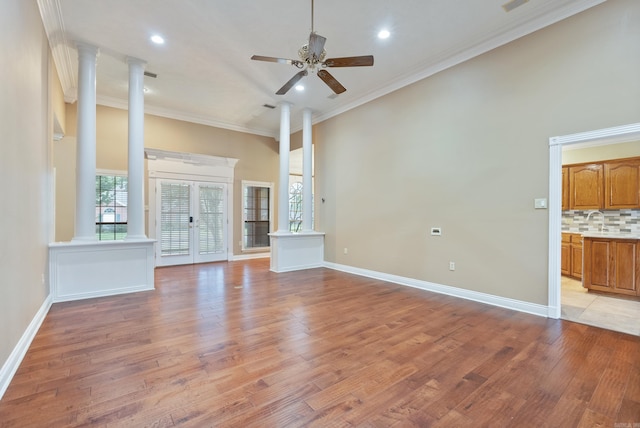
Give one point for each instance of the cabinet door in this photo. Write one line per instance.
(585, 184)
(565, 188)
(625, 267)
(576, 261)
(622, 184)
(598, 264)
(565, 259)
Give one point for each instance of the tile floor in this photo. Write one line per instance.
(597, 309)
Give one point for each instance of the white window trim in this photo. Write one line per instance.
(270, 186)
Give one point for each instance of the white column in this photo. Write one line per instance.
(283, 189)
(85, 221)
(307, 171)
(135, 198)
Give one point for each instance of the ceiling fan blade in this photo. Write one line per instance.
(291, 82)
(350, 61)
(278, 60)
(331, 81)
(316, 45)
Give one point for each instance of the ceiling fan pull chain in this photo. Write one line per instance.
(312, 16)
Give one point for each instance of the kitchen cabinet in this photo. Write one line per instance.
(576, 255)
(565, 255)
(622, 184)
(611, 185)
(571, 255)
(611, 265)
(586, 184)
(565, 188)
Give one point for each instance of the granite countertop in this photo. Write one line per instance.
(611, 235)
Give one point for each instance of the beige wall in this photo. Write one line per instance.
(467, 150)
(258, 156)
(599, 153)
(26, 122)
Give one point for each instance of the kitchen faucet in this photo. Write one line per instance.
(601, 214)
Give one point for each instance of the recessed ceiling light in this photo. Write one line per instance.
(158, 40)
(384, 34)
(299, 88)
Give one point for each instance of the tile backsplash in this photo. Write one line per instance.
(614, 221)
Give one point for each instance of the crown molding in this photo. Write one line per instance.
(51, 14)
(185, 117)
(452, 58)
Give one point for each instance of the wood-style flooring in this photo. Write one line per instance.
(232, 344)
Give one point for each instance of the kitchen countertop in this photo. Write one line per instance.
(611, 235)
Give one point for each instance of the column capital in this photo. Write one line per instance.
(133, 61)
(87, 49)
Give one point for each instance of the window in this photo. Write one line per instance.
(257, 214)
(111, 206)
(295, 207)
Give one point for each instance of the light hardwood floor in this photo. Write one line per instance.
(619, 313)
(232, 344)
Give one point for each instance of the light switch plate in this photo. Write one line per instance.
(540, 203)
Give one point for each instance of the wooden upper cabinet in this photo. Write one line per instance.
(622, 184)
(585, 187)
(565, 188)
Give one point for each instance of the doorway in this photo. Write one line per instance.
(191, 225)
(600, 137)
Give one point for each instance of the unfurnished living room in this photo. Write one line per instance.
(320, 213)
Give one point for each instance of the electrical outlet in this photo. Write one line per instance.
(452, 265)
(346, 250)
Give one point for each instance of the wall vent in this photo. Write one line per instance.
(509, 6)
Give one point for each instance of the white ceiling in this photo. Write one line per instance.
(205, 74)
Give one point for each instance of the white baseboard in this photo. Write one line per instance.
(298, 267)
(489, 299)
(10, 366)
(102, 293)
(249, 256)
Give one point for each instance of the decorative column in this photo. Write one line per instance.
(85, 221)
(304, 250)
(283, 188)
(135, 195)
(307, 172)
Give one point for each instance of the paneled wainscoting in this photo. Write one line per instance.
(233, 344)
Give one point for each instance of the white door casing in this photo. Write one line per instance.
(192, 168)
(191, 224)
(599, 137)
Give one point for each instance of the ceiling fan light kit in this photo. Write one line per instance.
(312, 59)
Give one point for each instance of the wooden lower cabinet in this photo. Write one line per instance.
(571, 255)
(612, 265)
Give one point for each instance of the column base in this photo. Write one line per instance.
(296, 251)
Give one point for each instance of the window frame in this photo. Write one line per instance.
(111, 173)
(245, 184)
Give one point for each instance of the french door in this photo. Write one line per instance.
(191, 222)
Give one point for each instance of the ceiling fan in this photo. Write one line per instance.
(312, 59)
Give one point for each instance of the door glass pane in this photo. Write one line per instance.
(211, 235)
(174, 219)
